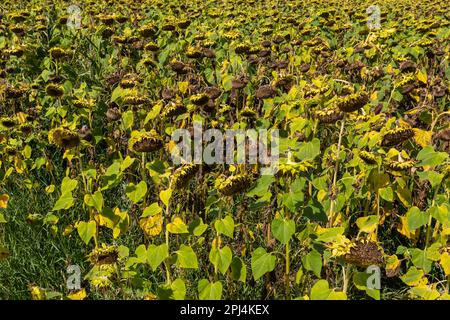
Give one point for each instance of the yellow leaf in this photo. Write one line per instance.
(422, 137)
(21, 117)
(20, 165)
(389, 69)
(182, 86)
(392, 263)
(165, 196)
(422, 77)
(403, 228)
(177, 226)
(37, 293)
(50, 188)
(4, 201)
(78, 295)
(445, 263)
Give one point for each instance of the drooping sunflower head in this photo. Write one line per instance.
(194, 52)
(353, 102)
(248, 112)
(151, 46)
(183, 175)
(199, 99)
(340, 246)
(104, 255)
(143, 141)
(14, 92)
(8, 122)
(173, 109)
(329, 115)
(64, 138)
(135, 99)
(400, 165)
(148, 62)
(83, 103)
(396, 136)
(368, 157)
(234, 184)
(54, 90)
(58, 53)
(113, 114)
(292, 170)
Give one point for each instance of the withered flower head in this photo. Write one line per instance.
(182, 175)
(54, 90)
(234, 184)
(58, 53)
(329, 115)
(173, 109)
(142, 141)
(400, 165)
(63, 138)
(368, 157)
(396, 136)
(265, 92)
(8, 122)
(353, 102)
(364, 254)
(113, 114)
(199, 99)
(104, 255)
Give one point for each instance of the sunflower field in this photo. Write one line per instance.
(92, 205)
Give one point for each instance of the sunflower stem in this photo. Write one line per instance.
(336, 169)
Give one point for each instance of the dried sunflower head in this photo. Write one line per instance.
(84, 103)
(199, 99)
(104, 255)
(63, 138)
(364, 253)
(265, 92)
(58, 53)
(407, 83)
(54, 90)
(329, 115)
(368, 157)
(173, 109)
(182, 175)
(14, 93)
(248, 112)
(396, 136)
(234, 184)
(400, 165)
(135, 100)
(352, 102)
(148, 30)
(8, 122)
(142, 141)
(178, 67)
(113, 114)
